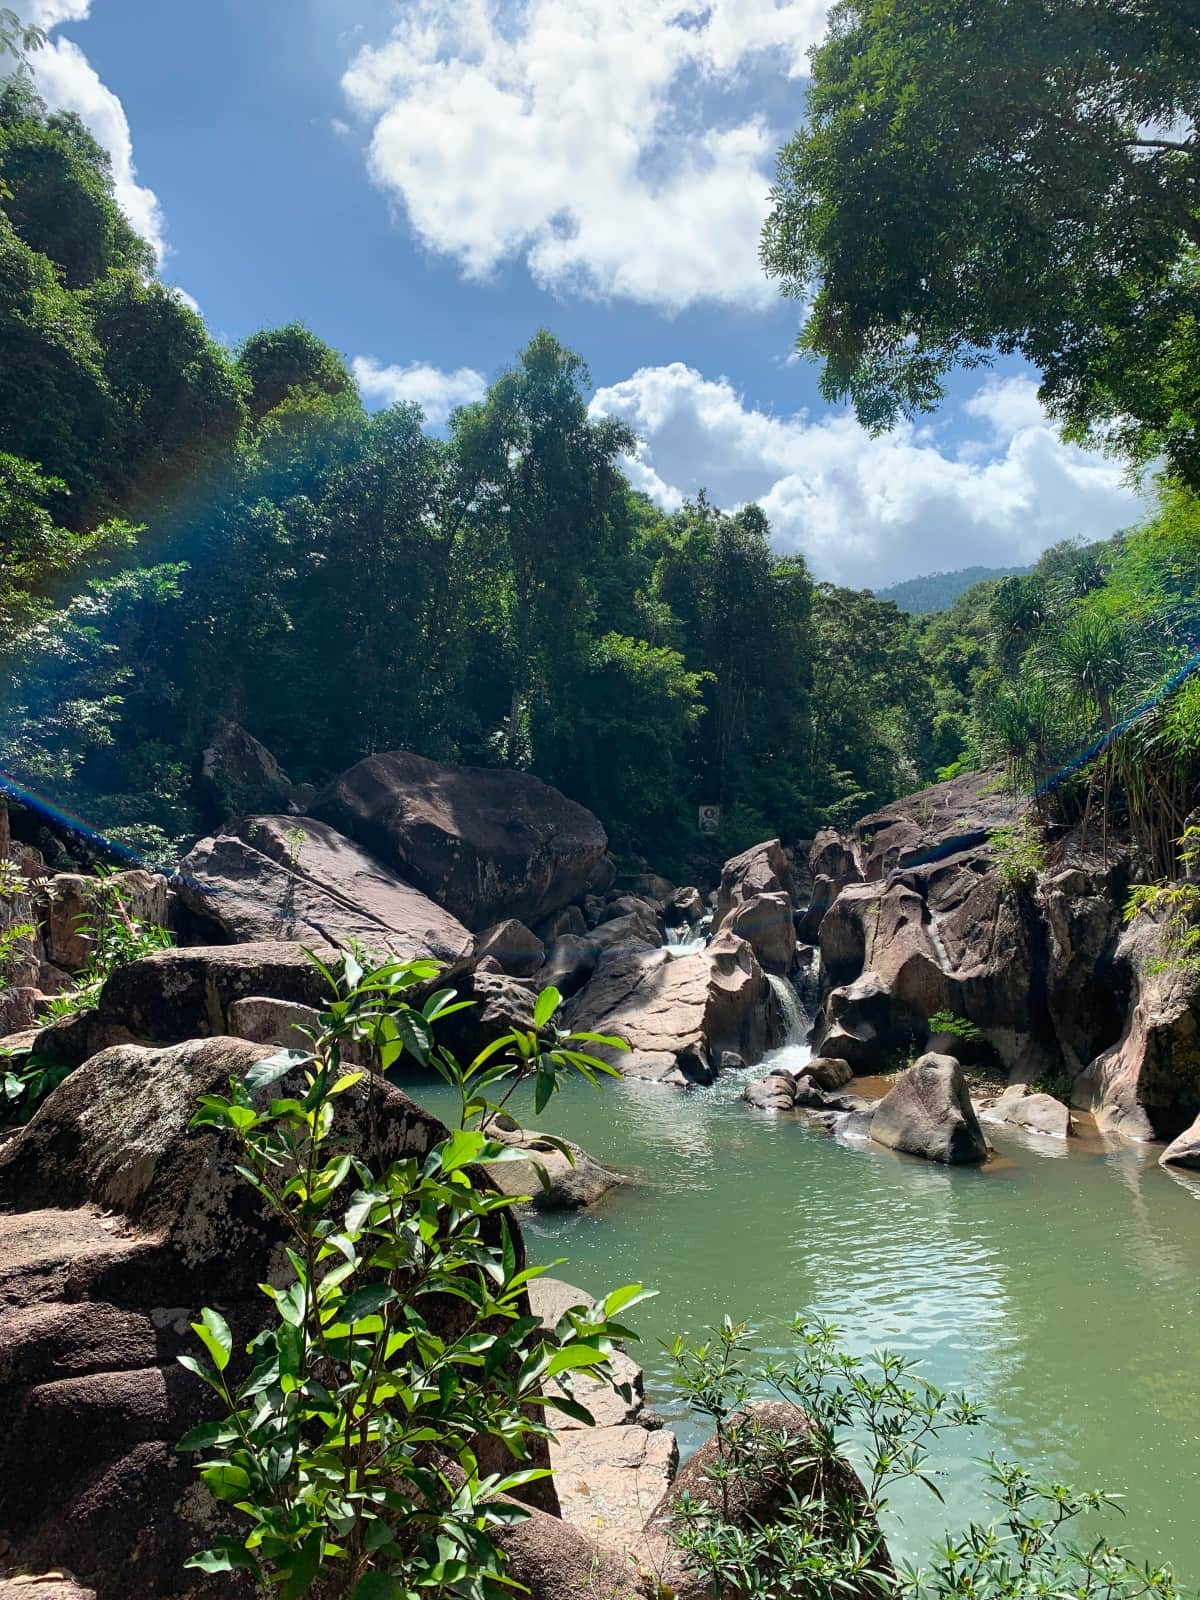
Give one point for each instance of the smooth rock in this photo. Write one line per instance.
(929, 1113)
(548, 1179)
(516, 949)
(484, 842)
(570, 965)
(763, 869)
(236, 774)
(1183, 1151)
(293, 878)
(828, 1072)
(765, 922)
(1037, 1113)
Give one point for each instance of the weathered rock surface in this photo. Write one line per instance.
(763, 869)
(625, 922)
(611, 1476)
(116, 1224)
(236, 775)
(1036, 1113)
(765, 922)
(515, 948)
(865, 1024)
(1183, 1151)
(555, 1560)
(66, 902)
(570, 964)
(933, 823)
(678, 1016)
(929, 1113)
(757, 1499)
(828, 1072)
(775, 1092)
(548, 1178)
(486, 843)
(1147, 1085)
(293, 878)
(174, 995)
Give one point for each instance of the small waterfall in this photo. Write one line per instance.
(683, 940)
(796, 1020)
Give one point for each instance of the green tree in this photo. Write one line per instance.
(982, 177)
(278, 362)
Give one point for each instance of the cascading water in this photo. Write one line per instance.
(685, 940)
(794, 1050)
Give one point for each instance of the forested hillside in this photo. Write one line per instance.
(936, 591)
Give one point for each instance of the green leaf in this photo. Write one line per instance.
(379, 1586)
(370, 1298)
(548, 1003)
(631, 1294)
(573, 1355)
(227, 1555)
(206, 1435)
(271, 1068)
(213, 1332)
(226, 1482)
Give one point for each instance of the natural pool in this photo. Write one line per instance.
(1057, 1286)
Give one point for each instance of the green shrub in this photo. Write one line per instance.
(114, 938)
(350, 1446)
(1020, 854)
(1178, 904)
(958, 1027)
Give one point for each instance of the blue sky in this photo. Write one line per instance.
(425, 184)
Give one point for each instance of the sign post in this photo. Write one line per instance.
(710, 819)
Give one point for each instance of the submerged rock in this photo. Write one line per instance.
(485, 842)
(1037, 1113)
(1183, 1151)
(550, 1180)
(929, 1113)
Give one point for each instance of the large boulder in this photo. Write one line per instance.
(792, 1469)
(293, 878)
(173, 995)
(514, 948)
(765, 922)
(929, 1113)
(866, 1025)
(678, 1015)
(117, 1222)
(934, 823)
(236, 774)
(1147, 1084)
(487, 843)
(1183, 1151)
(763, 869)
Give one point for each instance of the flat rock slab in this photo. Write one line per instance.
(1035, 1113)
(280, 877)
(609, 1480)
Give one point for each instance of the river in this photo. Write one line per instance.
(1057, 1285)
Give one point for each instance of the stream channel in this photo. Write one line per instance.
(1057, 1285)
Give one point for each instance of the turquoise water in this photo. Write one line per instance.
(1057, 1286)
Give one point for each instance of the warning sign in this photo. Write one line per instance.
(710, 819)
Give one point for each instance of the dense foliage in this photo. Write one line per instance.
(1022, 178)
(937, 591)
(192, 535)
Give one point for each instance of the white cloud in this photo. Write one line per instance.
(567, 136)
(436, 391)
(868, 512)
(67, 81)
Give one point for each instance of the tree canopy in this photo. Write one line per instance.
(978, 177)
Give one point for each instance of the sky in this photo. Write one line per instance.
(426, 183)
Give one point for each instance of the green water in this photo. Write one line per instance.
(1058, 1286)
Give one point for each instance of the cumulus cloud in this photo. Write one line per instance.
(869, 512)
(569, 136)
(67, 81)
(436, 391)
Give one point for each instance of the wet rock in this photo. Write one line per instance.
(1147, 1085)
(929, 1113)
(550, 1180)
(865, 1024)
(516, 949)
(790, 1472)
(775, 1092)
(293, 878)
(678, 1016)
(730, 1061)
(765, 922)
(828, 1072)
(1185, 1150)
(1036, 1113)
(486, 843)
(689, 904)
